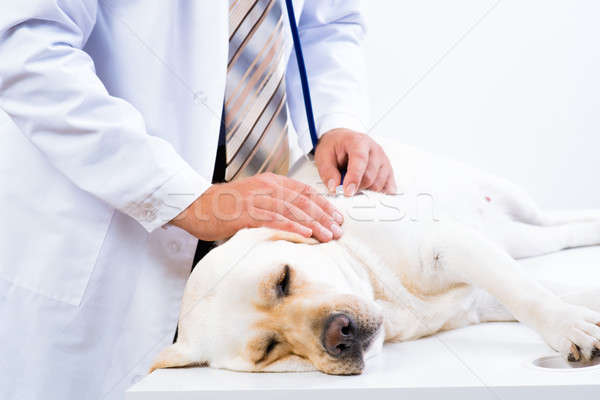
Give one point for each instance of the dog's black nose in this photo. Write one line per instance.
(340, 336)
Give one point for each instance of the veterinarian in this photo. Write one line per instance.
(127, 112)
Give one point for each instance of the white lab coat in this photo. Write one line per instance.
(115, 109)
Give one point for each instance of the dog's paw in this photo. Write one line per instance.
(577, 334)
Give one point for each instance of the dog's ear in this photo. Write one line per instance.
(176, 355)
(290, 237)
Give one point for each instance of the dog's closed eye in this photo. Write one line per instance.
(283, 284)
(271, 345)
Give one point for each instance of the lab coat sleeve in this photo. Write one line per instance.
(49, 88)
(332, 33)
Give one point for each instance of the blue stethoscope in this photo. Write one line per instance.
(310, 117)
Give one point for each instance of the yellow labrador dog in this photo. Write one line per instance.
(438, 255)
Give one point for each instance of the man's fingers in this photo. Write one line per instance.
(381, 180)
(310, 205)
(261, 217)
(367, 163)
(390, 186)
(358, 160)
(293, 213)
(300, 189)
(321, 231)
(328, 171)
(374, 169)
(318, 206)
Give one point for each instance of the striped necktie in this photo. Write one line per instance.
(256, 120)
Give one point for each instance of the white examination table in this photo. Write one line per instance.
(488, 361)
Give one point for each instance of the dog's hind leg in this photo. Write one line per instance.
(521, 207)
(512, 200)
(522, 240)
(561, 217)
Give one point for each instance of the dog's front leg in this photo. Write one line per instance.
(469, 257)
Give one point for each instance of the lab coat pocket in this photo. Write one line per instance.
(55, 257)
(52, 230)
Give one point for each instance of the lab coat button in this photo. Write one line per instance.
(174, 246)
(149, 215)
(200, 97)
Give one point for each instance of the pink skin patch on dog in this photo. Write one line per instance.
(488, 199)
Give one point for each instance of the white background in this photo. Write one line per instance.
(511, 87)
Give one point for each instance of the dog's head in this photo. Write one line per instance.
(275, 301)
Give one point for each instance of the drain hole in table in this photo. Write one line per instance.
(557, 362)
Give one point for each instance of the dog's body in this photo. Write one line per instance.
(439, 255)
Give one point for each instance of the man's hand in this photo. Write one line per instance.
(268, 200)
(367, 165)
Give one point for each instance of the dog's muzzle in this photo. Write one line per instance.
(343, 338)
